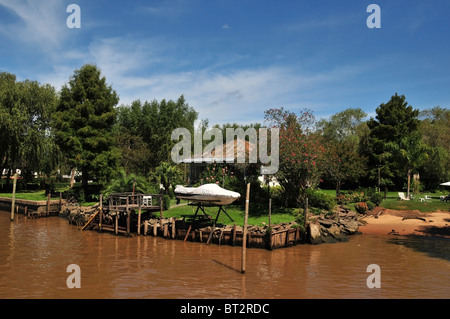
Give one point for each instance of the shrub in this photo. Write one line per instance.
(320, 200)
(376, 198)
(361, 207)
(370, 205)
(166, 202)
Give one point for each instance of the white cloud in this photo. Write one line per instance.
(39, 22)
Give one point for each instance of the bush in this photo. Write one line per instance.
(320, 200)
(166, 202)
(376, 198)
(370, 205)
(361, 207)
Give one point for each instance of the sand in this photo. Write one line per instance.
(383, 221)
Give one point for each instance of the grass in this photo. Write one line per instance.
(35, 196)
(435, 204)
(257, 216)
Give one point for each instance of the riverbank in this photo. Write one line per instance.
(382, 221)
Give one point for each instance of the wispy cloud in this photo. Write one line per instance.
(38, 22)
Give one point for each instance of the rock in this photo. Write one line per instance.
(326, 222)
(315, 236)
(350, 227)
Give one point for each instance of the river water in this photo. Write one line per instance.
(35, 254)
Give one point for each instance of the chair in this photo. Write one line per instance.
(427, 198)
(146, 200)
(402, 196)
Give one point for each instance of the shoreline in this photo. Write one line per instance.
(382, 221)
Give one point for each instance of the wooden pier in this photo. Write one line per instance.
(128, 214)
(125, 212)
(33, 208)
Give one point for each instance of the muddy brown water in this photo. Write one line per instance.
(35, 253)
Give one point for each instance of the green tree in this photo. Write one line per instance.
(411, 152)
(25, 133)
(341, 134)
(127, 183)
(167, 174)
(435, 130)
(395, 121)
(153, 123)
(84, 121)
(301, 153)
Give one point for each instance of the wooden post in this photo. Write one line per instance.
(187, 233)
(173, 228)
(306, 212)
(48, 203)
(128, 223)
(139, 219)
(116, 224)
(145, 227)
(155, 229)
(166, 230)
(161, 205)
(26, 212)
(270, 212)
(244, 235)
(233, 235)
(14, 197)
(101, 213)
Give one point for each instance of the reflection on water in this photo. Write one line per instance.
(34, 255)
(437, 247)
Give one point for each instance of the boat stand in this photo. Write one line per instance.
(200, 206)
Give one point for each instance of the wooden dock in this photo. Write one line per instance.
(124, 212)
(128, 214)
(32, 208)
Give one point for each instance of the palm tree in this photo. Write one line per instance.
(127, 183)
(167, 174)
(410, 152)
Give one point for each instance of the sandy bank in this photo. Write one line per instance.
(383, 221)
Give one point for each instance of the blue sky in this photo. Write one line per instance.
(233, 59)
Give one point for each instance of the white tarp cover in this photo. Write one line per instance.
(206, 190)
(446, 184)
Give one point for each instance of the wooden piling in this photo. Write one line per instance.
(270, 212)
(128, 223)
(187, 233)
(233, 236)
(173, 228)
(155, 229)
(139, 220)
(48, 203)
(116, 224)
(101, 213)
(244, 236)
(14, 196)
(145, 227)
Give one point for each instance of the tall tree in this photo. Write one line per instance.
(411, 152)
(301, 153)
(84, 121)
(341, 136)
(25, 134)
(152, 123)
(435, 129)
(395, 120)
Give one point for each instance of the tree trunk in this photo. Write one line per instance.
(338, 188)
(84, 179)
(409, 183)
(72, 177)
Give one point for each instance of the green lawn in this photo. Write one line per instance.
(257, 216)
(435, 204)
(36, 196)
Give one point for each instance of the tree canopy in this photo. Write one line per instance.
(83, 123)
